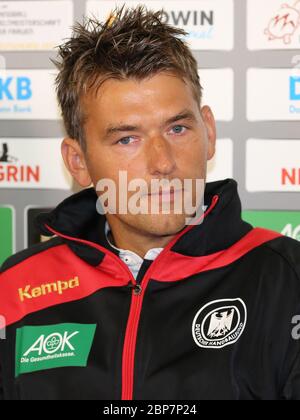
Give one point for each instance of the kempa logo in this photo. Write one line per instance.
(219, 323)
(58, 287)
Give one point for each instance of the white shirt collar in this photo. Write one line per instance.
(130, 257)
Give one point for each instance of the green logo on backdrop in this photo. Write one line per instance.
(285, 222)
(53, 346)
(6, 233)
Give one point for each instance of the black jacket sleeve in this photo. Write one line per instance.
(292, 388)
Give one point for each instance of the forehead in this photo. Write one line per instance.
(163, 93)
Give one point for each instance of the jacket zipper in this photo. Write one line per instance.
(132, 322)
(135, 312)
(138, 291)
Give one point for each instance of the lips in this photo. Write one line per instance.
(171, 191)
(168, 196)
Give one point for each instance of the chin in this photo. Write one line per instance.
(162, 225)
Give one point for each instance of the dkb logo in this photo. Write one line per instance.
(15, 88)
(295, 88)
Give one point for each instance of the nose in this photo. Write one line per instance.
(160, 157)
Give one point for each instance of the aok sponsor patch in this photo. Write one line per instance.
(53, 346)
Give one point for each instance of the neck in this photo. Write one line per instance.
(124, 237)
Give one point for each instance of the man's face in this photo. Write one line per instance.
(152, 129)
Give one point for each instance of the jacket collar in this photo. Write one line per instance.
(76, 217)
(222, 227)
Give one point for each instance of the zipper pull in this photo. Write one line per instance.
(137, 288)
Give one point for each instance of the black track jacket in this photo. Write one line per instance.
(210, 318)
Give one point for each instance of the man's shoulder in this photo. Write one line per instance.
(288, 249)
(282, 258)
(32, 251)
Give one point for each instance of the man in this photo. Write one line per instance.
(137, 305)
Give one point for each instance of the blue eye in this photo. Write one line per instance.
(125, 140)
(178, 129)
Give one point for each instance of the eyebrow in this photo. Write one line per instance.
(185, 114)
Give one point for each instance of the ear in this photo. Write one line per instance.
(75, 162)
(210, 124)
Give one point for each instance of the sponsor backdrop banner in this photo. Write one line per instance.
(249, 65)
(273, 24)
(21, 93)
(209, 23)
(7, 229)
(33, 163)
(34, 25)
(285, 222)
